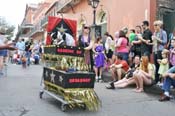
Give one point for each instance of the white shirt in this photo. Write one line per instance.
(108, 43)
(69, 40)
(2, 39)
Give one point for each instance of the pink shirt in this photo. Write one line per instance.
(123, 45)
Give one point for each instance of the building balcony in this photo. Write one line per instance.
(24, 35)
(44, 21)
(24, 26)
(65, 5)
(35, 30)
(24, 29)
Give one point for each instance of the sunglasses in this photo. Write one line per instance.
(86, 27)
(155, 25)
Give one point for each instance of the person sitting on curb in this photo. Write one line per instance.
(145, 75)
(118, 68)
(128, 79)
(169, 79)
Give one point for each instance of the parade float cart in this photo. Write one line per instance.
(66, 77)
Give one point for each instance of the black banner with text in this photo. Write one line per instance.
(69, 80)
(64, 50)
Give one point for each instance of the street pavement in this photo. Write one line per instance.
(19, 96)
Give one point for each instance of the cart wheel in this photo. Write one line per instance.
(84, 106)
(63, 107)
(41, 94)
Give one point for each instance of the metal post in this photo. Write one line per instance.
(94, 21)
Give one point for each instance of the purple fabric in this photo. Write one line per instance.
(85, 43)
(99, 58)
(172, 57)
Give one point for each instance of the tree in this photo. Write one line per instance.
(8, 27)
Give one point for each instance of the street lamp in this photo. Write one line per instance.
(94, 4)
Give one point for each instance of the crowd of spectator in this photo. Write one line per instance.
(21, 52)
(137, 56)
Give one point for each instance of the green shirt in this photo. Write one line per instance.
(132, 37)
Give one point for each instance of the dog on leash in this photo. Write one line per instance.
(24, 61)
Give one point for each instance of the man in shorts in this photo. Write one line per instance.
(119, 68)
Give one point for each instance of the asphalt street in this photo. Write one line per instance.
(19, 96)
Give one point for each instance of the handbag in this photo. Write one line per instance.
(129, 74)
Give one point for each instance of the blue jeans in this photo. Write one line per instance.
(169, 81)
(28, 55)
(125, 56)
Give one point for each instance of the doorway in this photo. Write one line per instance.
(169, 22)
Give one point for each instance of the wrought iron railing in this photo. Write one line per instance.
(44, 21)
(61, 4)
(36, 29)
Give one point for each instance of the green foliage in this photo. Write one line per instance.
(9, 29)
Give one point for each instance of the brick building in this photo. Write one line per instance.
(27, 23)
(112, 15)
(30, 27)
(37, 33)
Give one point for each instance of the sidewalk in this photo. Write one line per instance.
(155, 89)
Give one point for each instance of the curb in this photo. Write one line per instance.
(154, 89)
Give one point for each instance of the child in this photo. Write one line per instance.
(14, 58)
(99, 58)
(164, 64)
(23, 61)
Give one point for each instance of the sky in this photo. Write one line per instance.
(14, 10)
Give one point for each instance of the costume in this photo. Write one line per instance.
(88, 53)
(99, 58)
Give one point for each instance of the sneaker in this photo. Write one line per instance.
(100, 80)
(160, 84)
(110, 86)
(164, 98)
(96, 79)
